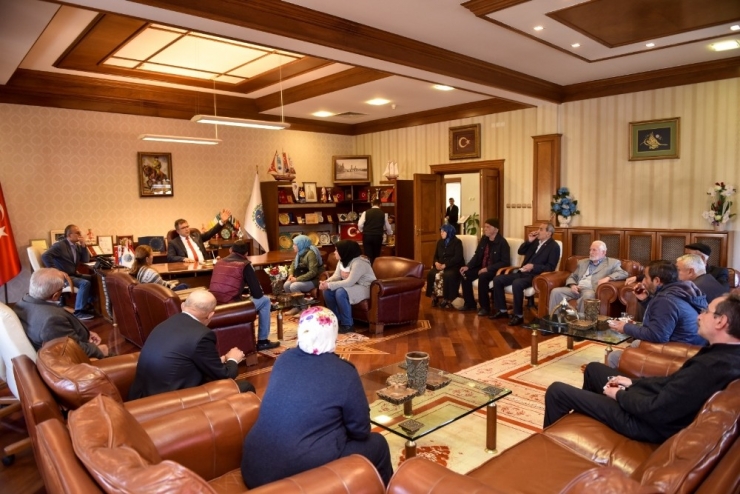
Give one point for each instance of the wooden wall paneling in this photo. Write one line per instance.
(670, 244)
(718, 243)
(614, 240)
(492, 196)
(545, 175)
(579, 241)
(404, 218)
(639, 246)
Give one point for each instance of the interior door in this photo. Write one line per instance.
(428, 214)
(491, 196)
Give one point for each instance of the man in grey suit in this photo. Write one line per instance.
(43, 320)
(589, 274)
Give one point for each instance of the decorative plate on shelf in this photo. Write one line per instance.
(324, 238)
(284, 218)
(314, 237)
(342, 217)
(335, 238)
(352, 216)
(285, 242)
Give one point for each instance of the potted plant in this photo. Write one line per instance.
(564, 207)
(719, 210)
(472, 224)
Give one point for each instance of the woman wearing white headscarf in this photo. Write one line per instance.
(313, 412)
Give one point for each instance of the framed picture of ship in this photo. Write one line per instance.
(655, 139)
(350, 169)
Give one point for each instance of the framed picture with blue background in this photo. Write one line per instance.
(655, 139)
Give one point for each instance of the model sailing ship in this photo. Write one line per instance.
(391, 170)
(281, 168)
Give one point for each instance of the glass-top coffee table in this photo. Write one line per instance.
(601, 333)
(422, 415)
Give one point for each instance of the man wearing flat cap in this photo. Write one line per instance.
(704, 251)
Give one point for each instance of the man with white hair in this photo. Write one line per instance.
(181, 352)
(704, 251)
(589, 274)
(691, 267)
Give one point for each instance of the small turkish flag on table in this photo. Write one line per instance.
(10, 264)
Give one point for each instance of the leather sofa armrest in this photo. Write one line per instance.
(421, 476)
(609, 291)
(393, 286)
(152, 407)
(120, 369)
(606, 480)
(671, 348)
(233, 313)
(550, 280)
(349, 474)
(207, 439)
(639, 362)
(506, 270)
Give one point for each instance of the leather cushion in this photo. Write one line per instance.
(66, 369)
(119, 454)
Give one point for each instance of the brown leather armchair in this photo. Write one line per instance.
(198, 450)
(607, 293)
(394, 295)
(233, 323)
(120, 286)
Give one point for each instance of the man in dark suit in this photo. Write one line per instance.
(541, 254)
(691, 267)
(452, 214)
(181, 352)
(719, 273)
(43, 320)
(65, 255)
(187, 246)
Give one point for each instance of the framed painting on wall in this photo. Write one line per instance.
(155, 174)
(655, 139)
(352, 169)
(56, 235)
(465, 142)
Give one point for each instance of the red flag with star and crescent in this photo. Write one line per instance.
(10, 264)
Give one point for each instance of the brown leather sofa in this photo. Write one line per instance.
(394, 295)
(607, 293)
(232, 323)
(119, 286)
(194, 450)
(579, 454)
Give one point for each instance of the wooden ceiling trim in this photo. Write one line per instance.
(293, 69)
(300, 23)
(484, 7)
(325, 85)
(675, 76)
(467, 110)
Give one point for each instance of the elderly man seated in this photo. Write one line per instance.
(691, 267)
(589, 274)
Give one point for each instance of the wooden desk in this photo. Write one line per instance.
(273, 257)
(193, 273)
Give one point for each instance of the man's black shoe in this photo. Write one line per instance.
(267, 345)
(466, 308)
(346, 329)
(483, 312)
(499, 315)
(516, 321)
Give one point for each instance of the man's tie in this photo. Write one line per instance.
(192, 249)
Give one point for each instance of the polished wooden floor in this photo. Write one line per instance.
(455, 341)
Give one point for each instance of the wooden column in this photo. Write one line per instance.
(545, 175)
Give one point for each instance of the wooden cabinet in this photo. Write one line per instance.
(641, 244)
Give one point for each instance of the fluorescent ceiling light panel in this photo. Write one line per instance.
(725, 45)
(165, 69)
(322, 114)
(442, 87)
(240, 122)
(260, 65)
(229, 79)
(120, 62)
(194, 52)
(149, 41)
(378, 101)
(179, 139)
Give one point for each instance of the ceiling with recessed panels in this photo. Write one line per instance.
(296, 59)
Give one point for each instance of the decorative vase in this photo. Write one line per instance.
(417, 366)
(720, 227)
(564, 222)
(591, 309)
(277, 286)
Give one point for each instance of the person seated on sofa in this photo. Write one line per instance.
(652, 409)
(181, 352)
(671, 307)
(589, 274)
(187, 246)
(43, 320)
(691, 267)
(230, 274)
(143, 257)
(722, 275)
(314, 410)
(350, 283)
(448, 259)
(304, 271)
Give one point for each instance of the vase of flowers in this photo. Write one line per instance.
(719, 209)
(277, 274)
(564, 207)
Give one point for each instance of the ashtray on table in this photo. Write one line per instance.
(410, 426)
(400, 379)
(396, 394)
(435, 381)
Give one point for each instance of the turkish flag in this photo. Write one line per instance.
(10, 264)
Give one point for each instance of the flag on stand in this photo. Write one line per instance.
(254, 222)
(10, 264)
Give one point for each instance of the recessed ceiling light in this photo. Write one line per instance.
(442, 87)
(378, 101)
(575, 45)
(538, 28)
(736, 27)
(322, 113)
(650, 45)
(725, 45)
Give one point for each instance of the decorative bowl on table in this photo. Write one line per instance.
(581, 325)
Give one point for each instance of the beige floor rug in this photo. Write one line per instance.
(460, 446)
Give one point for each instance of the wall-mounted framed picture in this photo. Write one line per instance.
(155, 174)
(56, 235)
(40, 244)
(352, 169)
(310, 190)
(105, 242)
(465, 142)
(655, 139)
(124, 240)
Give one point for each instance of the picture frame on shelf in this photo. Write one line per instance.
(105, 242)
(310, 191)
(155, 174)
(39, 244)
(655, 139)
(55, 236)
(124, 239)
(97, 250)
(312, 219)
(155, 242)
(352, 169)
(465, 142)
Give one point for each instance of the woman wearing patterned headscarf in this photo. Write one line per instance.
(350, 283)
(448, 259)
(314, 410)
(303, 275)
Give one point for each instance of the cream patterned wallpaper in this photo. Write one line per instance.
(61, 166)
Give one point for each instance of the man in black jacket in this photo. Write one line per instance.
(653, 409)
(372, 224)
(541, 254)
(491, 255)
(452, 214)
